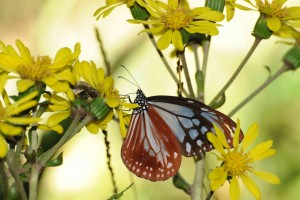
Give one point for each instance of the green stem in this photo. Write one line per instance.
(103, 53)
(164, 60)
(244, 61)
(283, 69)
(206, 46)
(187, 75)
(197, 187)
(195, 51)
(10, 160)
(72, 130)
(4, 179)
(34, 180)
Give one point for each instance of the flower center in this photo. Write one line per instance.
(36, 71)
(272, 9)
(237, 163)
(177, 18)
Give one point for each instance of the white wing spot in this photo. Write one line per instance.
(193, 133)
(138, 170)
(204, 109)
(175, 155)
(199, 143)
(169, 165)
(144, 173)
(188, 147)
(203, 130)
(190, 101)
(196, 122)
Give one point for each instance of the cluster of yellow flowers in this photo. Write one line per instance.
(56, 82)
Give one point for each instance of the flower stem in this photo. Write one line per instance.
(4, 179)
(197, 187)
(283, 69)
(11, 162)
(164, 60)
(72, 130)
(206, 45)
(235, 74)
(187, 75)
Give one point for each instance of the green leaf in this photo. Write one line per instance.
(55, 162)
(117, 196)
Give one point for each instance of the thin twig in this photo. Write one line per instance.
(106, 62)
(187, 75)
(164, 60)
(235, 74)
(283, 69)
(4, 179)
(108, 156)
(206, 46)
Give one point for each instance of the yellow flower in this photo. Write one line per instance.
(238, 162)
(56, 74)
(277, 14)
(104, 87)
(173, 18)
(10, 120)
(110, 5)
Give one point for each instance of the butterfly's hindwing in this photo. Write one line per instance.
(151, 150)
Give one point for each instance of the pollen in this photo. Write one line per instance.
(176, 18)
(237, 162)
(37, 70)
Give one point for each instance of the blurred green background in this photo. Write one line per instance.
(46, 26)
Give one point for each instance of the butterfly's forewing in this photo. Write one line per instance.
(190, 121)
(151, 150)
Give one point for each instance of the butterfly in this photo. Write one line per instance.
(163, 129)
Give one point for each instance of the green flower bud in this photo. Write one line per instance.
(217, 5)
(292, 57)
(138, 12)
(261, 29)
(99, 108)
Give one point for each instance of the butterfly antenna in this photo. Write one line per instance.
(129, 81)
(136, 83)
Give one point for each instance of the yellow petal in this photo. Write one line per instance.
(217, 173)
(252, 187)
(221, 136)
(3, 78)
(23, 120)
(261, 148)
(108, 83)
(24, 84)
(215, 142)
(236, 137)
(165, 40)
(273, 23)
(265, 154)
(20, 108)
(56, 118)
(234, 189)
(10, 130)
(266, 176)
(3, 147)
(250, 136)
(177, 40)
(122, 124)
(57, 128)
(92, 128)
(216, 183)
(229, 12)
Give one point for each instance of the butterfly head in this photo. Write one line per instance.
(140, 100)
